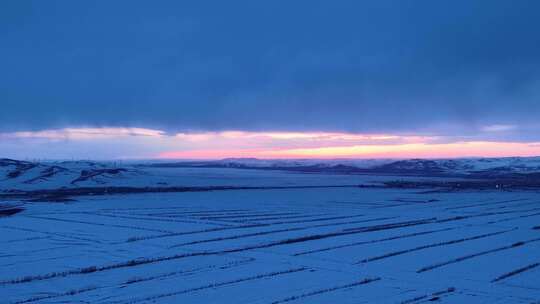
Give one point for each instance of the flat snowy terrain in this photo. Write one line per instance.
(268, 245)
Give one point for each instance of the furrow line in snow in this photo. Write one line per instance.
(240, 236)
(474, 255)
(157, 219)
(248, 215)
(429, 297)
(440, 244)
(326, 290)
(486, 204)
(374, 241)
(215, 285)
(96, 224)
(515, 272)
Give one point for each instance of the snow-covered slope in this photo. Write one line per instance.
(16, 174)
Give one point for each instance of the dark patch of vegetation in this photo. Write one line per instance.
(487, 184)
(4, 162)
(87, 191)
(47, 173)
(88, 174)
(10, 211)
(20, 168)
(52, 198)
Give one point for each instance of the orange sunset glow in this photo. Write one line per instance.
(155, 143)
(339, 145)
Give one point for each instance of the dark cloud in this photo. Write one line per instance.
(387, 66)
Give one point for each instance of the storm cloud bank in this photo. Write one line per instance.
(423, 67)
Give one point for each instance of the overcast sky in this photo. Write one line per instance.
(460, 68)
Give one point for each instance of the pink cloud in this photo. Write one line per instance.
(150, 143)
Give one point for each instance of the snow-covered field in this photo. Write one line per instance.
(309, 245)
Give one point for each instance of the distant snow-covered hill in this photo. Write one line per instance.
(26, 175)
(431, 167)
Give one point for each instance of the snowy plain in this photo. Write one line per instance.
(283, 245)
